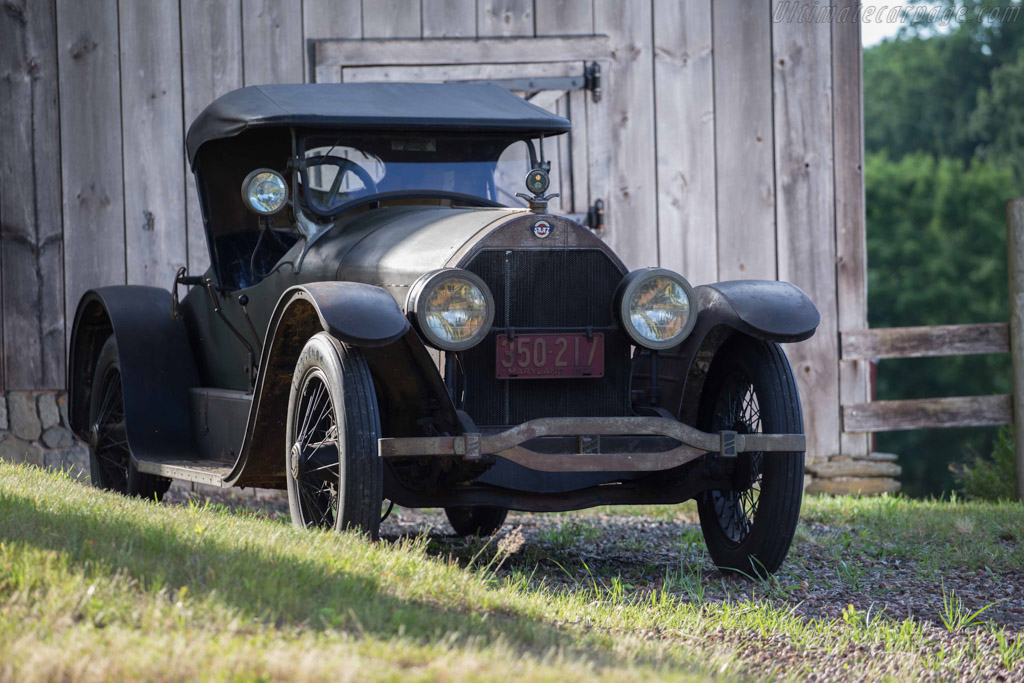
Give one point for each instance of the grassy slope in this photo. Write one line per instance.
(95, 586)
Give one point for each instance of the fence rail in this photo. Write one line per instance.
(922, 342)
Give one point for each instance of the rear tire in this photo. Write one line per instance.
(476, 521)
(335, 479)
(110, 462)
(749, 527)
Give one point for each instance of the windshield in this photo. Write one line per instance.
(335, 173)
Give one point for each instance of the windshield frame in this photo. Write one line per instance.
(312, 139)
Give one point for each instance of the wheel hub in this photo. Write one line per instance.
(294, 456)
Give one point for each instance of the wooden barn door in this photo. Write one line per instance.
(570, 86)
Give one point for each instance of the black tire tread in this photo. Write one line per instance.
(778, 513)
(355, 406)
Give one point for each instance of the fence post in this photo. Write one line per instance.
(1015, 270)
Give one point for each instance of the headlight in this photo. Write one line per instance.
(657, 307)
(453, 309)
(264, 191)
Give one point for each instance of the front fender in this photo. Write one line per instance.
(359, 315)
(157, 367)
(775, 311)
(765, 309)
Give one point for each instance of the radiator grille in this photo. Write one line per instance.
(550, 290)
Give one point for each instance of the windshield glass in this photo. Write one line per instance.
(337, 172)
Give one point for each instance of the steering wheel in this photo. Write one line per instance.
(344, 166)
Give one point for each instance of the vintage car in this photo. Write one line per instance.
(384, 320)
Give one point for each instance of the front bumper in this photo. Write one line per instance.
(508, 444)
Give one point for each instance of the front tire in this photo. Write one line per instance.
(110, 461)
(749, 526)
(334, 475)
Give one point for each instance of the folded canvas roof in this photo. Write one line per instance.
(372, 106)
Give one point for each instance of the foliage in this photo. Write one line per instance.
(994, 477)
(998, 120)
(920, 90)
(936, 256)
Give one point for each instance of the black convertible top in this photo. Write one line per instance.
(371, 106)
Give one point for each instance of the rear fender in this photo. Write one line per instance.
(157, 368)
(764, 309)
(409, 388)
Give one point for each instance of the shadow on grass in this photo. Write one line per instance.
(274, 587)
(575, 565)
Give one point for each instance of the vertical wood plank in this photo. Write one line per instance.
(566, 201)
(1015, 272)
(745, 176)
(391, 19)
(328, 19)
(599, 150)
(629, 99)
(211, 39)
(504, 18)
(685, 117)
(851, 235)
(806, 213)
(90, 138)
(31, 268)
(151, 108)
(564, 17)
(271, 42)
(449, 18)
(579, 150)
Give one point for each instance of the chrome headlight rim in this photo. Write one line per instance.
(416, 307)
(247, 194)
(624, 295)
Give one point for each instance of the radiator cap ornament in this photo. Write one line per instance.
(537, 182)
(541, 229)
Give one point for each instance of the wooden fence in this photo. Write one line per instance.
(951, 340)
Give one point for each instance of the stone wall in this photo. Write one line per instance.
(34, 429)
(844, 475)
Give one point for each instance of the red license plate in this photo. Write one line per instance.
(550, 356)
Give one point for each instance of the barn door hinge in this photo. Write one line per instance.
(595, 216)
(592, 80)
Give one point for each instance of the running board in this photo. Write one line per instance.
(209, 472)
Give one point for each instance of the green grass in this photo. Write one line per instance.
(94, 586)
(945, 534)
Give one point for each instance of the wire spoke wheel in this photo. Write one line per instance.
(334, 476)
(109, 444)
(749, 518)
(738, 410)
(315, 465)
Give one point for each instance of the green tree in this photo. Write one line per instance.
(921, 89)
(998, 119)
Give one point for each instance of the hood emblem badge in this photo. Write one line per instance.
(541, 229)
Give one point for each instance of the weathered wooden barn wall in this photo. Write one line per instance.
(735, 146)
